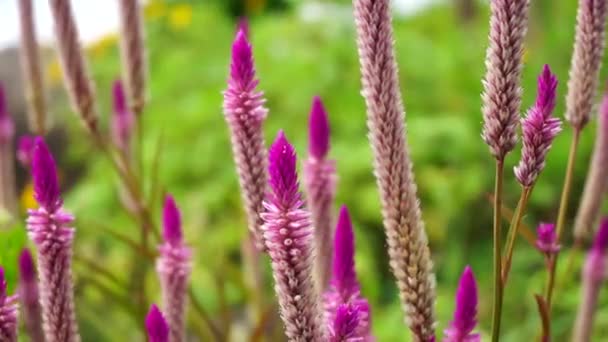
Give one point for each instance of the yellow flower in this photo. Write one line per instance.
(53, 71)
(27, 198)
(100, 47)
(155, 9)
(180, 17)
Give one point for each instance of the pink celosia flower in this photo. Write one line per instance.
(465, 314)
(320, 182)
(8, 312)
(345, 288)
(29, 297)
(546, 241)
(245, 113)
(25, 149)
(49, 227)
(122, 120)
(156, 326)
(174, 269)
(539, 129)
(289, 241)
(346, 323)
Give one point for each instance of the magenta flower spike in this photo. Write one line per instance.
(289, 241)
(25, 150)
(539, 129)
(122, 121)
(174, 268)
(320, 184)
(546, 240)
(49, 227)
(345, 288)
(595, 273)
(29, 297)
(245, 114)
(8, 312)
(465, 314)
(345, 325)
(156, 326)
(243, 26)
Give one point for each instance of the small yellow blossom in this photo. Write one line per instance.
(155, 9)
(53, 70)
(180, 17)
(101, 46)
(27, 198)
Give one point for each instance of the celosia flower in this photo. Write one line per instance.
(29, 297)
(49, 227)
(546, 240)
(345, 288)
(594, 275)
(289, 241)
(245, 113)
(174, 269)
(596, 182)
(345, 325)
(586, 61)
(502, 88)
(156, 326)
(539, 129)
(320, 182)
(122, 121)
(465, 314)
(8, 312)
(133, 51)
(7, 127)
(407, 243)
(25, 149)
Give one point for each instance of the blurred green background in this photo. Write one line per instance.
(303, 49)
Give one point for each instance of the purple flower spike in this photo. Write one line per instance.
(465, 314)
(122, 121)
(49, 227)
(25, 150)
(7, 127)
(345, 288)
(174, 268)
(282, 171)
(29, 297)
(318, 130)
(345, 324)
(289, 241)
(243, 26)
(244, 112)
(546, 241)
(539, 129)
(156, 326)
(8, 312)
(44, 175)
(172, 226)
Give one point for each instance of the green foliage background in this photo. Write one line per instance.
(441, 65)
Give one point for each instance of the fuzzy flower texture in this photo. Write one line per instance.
(539, 129)
(465, 314)
(8, 312)
(546, 241)
(174, 269)
(288, 235)
(156, 326)
(49, 227)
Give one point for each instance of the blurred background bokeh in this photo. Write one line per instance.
(302, 48)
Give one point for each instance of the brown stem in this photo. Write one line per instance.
(513, 232)
(497, 307)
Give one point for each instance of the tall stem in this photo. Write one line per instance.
(497, 310)
(513, 232)
(561, 217)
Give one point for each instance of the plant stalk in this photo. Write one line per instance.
(513, 232)
(561, 217)
(497, 308)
